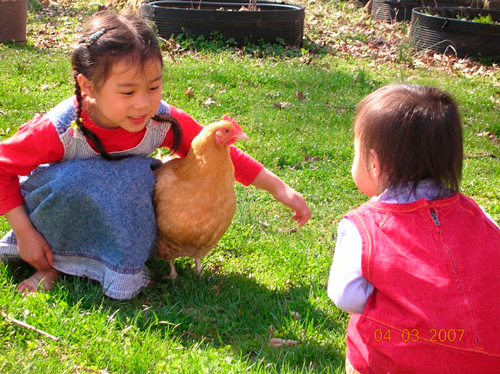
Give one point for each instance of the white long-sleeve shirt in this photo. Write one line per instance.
(347, 287)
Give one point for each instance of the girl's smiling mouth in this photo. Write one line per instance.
(138, 120)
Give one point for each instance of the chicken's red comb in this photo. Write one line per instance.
(227, 118)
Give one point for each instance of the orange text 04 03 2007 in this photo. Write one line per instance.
(416, 335)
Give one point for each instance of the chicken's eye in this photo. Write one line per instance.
(227, 131)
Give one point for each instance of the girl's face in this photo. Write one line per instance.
(129, 97)
(365, 174)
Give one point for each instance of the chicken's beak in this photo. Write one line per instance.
(241, 136)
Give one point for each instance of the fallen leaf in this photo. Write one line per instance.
(210, 101)
(289, 231)
(278, 343)
(265, 224)
(305, 60)
(281, 105)
(491, 136)
(271, 330)
(189, 92)
(217, 288)
(301, 96)
(310, 158)
(295, 315)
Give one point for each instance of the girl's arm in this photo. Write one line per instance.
(31, 244)
(347, 287)
(285, 194)
(247, 170)
(35, 143)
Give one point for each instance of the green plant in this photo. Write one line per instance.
(484, 19)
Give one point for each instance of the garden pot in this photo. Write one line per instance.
(452, 30)
(271, 23)
(400, 10)
(13, 17)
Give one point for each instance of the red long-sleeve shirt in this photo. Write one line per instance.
(37, 142)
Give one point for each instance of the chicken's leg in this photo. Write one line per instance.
(197, 266)
(173, 273)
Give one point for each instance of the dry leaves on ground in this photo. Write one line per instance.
(356, 34)
(343, 29)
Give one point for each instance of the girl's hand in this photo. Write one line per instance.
(285, 194)
(294, 200)
(34, 249)
(32, 246)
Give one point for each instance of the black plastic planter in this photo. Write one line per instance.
(273, 21)
(400, 10)
(452, 30)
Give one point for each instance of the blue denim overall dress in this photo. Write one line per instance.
(96, 215)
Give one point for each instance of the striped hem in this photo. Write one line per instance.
(114, 284)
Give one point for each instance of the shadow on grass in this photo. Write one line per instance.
(226, 311)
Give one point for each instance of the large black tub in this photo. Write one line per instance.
(457, 30)
(271, 23)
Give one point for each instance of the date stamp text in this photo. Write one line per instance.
(415, 335)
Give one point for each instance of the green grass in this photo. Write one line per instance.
(262, 270)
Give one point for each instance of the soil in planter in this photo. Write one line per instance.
(273, 22)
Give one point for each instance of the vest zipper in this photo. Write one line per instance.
(435, 217)
(474, 324)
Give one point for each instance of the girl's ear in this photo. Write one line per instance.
(374, 165)
(85, 85)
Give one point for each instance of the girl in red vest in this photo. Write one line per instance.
(417, 265)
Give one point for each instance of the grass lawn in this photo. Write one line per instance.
(265, 279)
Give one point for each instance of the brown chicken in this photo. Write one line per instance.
(194, 196)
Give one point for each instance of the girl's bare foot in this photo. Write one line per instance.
(42, 280)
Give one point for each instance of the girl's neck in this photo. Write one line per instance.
(425, 189)
(89, 106)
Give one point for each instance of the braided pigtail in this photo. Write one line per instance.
(88, 133)
(174, 125)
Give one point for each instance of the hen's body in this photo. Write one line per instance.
(194, 198)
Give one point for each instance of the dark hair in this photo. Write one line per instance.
(416, 133)
(109, 38)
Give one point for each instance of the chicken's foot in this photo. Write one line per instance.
(173, 273)
(197, 266)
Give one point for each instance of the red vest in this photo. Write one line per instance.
(435, 266)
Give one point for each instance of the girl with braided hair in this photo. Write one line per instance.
(85, 207)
